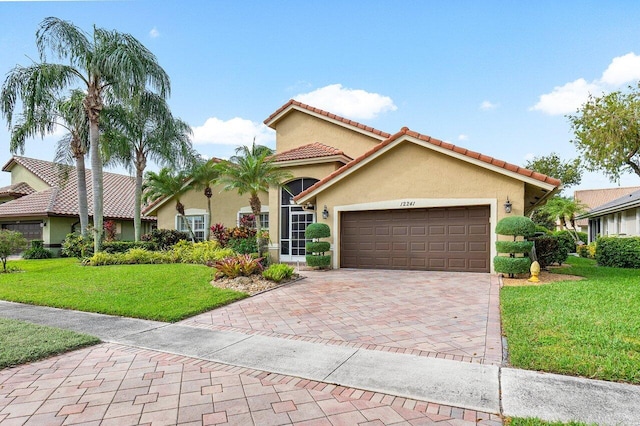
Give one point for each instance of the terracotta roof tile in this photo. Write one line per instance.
(405, 131)
(62, 198)
(17, 190)
(594, 198)
(347, 121)
(312, 150)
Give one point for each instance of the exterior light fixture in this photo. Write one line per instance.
(325, 212)
(507, 206)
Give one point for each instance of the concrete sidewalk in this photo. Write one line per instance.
(484, 388)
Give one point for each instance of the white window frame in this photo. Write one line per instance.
(246, 210)
(200, 234)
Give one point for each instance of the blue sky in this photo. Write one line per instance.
(496, 77)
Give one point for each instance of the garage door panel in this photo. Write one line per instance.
(456, 239)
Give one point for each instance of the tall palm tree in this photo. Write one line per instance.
(565, 209)
(254, 151)
(165, 184)
(252, 173)
(106, 65)
(203, 175)
(144, 129)
(68, 114)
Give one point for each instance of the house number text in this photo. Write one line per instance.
(407, 203)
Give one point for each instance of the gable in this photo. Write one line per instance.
(19, 173)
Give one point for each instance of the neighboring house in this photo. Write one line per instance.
(402, 201)
(593, 198)
(42, 201)
(618, 217)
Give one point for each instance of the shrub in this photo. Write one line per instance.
(278, 272)
(236, 266)
(37, 251)
(164, 239)
(317, 247)
(317, 230)
(315, 250)
(516, 225)
(220, 234)
(587, 250)
(319, 261)
(549, 251)
(567, 241)
(10, 242)
(514, 246)
(110, 230)
(75, 245)
(618, 252)
(243, 245)
(203, 252)
(543, 230)
(123, 246)
(511, 265)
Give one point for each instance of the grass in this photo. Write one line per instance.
(538, 422)
(158, 292)
(588, 328)
(23, 342)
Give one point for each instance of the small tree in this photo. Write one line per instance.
(10, 242)
(516, 226)
(316, 249)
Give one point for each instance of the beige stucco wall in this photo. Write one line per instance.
(298, 128)
(20, 174)
(225, 206)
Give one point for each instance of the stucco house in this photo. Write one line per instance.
(42, 201)
(392, 201)
(620, 217)
(593, 198)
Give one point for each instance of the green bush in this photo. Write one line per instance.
(514, 246)
(164, 239)
(516, 225)
(203, 252)
(317, 230)
(75, 245)
(511, 265)
(618, 252)
(318, 261)
(549, 251)
(566, 240)
(123, 246)
(278, 272)
(543, 229)
(10, 242)
(587, 250)
(317, 246)
(37, 251)
(243, 245)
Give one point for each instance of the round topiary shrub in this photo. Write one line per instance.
(317, 246)
(514, 246)
(317, 230)
(516, 225)
(315, 249)
(318, 261)
(511, 265)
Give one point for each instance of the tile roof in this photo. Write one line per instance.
(625, 202)
(17, 190)
(593, 198)
(312, 150)
(445, 145)
(301, 106)
(62, 198)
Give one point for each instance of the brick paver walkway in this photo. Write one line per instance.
(444, 314)
(112, 384)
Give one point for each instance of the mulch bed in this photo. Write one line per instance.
(252, 285)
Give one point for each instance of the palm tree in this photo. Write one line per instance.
(254, 150)
(252, 173)
(106, 65)
(68, 114)
(166, 184)
(565, 210)
(144, 129)
(203, 176)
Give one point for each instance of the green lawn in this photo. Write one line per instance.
(588, 328)
(536, 422)
(23, 342)
(158, 292)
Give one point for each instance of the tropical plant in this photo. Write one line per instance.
(142, 129)
(10, 242)
(565, 210)
(252, 172)
(235, 266)
(203, 175)
(77, 245)
(167, 184)
(105, 65)
(278, 272)
(37, 251)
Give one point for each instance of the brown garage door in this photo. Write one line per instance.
(31, 231)
(438, 239)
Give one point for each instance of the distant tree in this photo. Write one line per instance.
(203, 175)
(607, 133)
(565, 209)
(569, 172)
(10, 242)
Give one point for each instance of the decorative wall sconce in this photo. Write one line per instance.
(507, 206)
(325, 212)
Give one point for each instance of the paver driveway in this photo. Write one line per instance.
(445, 314)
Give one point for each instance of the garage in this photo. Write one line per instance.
(436, 239)
(29, 230)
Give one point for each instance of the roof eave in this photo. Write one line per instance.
(315, 160)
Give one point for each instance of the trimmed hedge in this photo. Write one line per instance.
(317, 230)
(516, 225)
(318, 261)
(618, 252)
(317, 246)
(512, 265)
(514, 246)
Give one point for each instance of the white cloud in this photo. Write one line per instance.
(351, 103)
(154, 33)
(529, 156)
(569, 97)
(488, 105)
(463, 137)
(566, 99)
(236, 131)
